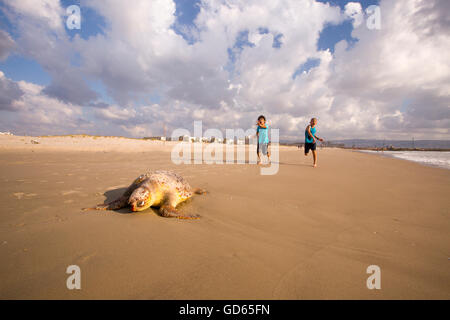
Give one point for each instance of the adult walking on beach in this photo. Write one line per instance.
(310, 140)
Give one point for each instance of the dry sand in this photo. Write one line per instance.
(303, 233)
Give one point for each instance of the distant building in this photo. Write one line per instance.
(156, 138)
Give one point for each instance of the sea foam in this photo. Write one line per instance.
(433, 158)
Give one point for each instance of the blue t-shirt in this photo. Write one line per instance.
(263, 134)
(308, 138)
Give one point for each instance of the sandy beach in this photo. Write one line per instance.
(302, 233)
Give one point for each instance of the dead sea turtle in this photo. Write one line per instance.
(163, 189)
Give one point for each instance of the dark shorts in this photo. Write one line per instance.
(309, 146)
(262, 148)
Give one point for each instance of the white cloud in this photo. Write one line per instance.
(47, 12)
(9, 92)
(137, 130)
(396, 72)
(392, 83)
(33, 112)
(6, 45)
(115, 113)
(355, 12)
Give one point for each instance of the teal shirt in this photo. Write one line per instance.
(263, 134)
(308, 138)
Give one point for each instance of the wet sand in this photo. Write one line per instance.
(303, 233)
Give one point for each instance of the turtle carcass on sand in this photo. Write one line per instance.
(163, 189)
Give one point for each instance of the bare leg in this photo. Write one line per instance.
(314, 152)
(259, 158)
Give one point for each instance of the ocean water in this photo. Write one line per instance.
(426, 144)
(432, 158)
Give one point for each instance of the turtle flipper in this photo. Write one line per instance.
(114, 205)
(123, 200)
(169, 211)
(200, 191)
(117, 204)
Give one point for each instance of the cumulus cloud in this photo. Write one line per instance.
(30, 111)
(6, 45)
(239, 59)
(42, 37)
(46, 12)
(9, 92)
(115, 113)
(394, 73)
(355, 12)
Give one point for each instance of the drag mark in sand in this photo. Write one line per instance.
(67, 193)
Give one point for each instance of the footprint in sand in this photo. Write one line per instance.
(87, 257)
(59, 218)
(18, 195)
(30, 194)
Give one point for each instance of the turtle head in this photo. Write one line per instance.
(140, 199)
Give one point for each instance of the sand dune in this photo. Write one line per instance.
(303, 233)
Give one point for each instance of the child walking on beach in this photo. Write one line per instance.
(262, 132)
(310, 140)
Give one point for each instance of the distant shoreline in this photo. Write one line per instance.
(371, 148)
(341, 144)
(399, 149)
